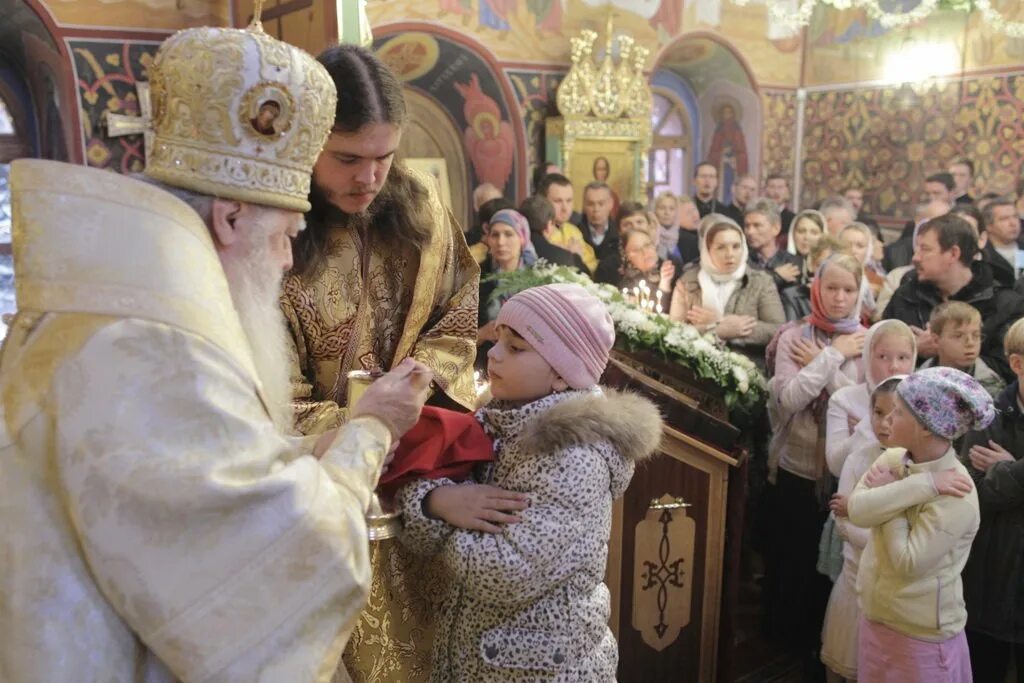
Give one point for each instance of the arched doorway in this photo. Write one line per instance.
(672, 141)
(431, 134)
(711, 79)
(34, 117)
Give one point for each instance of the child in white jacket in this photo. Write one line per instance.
(909, 581)
(527, 600)
(839, 635)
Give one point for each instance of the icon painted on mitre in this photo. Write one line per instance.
(266, 111)
(266, 117)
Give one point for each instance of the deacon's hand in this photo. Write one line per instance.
(397, 398)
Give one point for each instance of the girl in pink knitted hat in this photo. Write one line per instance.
(527, 601)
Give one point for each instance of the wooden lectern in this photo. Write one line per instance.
(673, 567)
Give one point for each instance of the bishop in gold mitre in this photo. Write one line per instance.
(158, 522)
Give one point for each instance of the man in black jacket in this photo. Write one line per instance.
(946, 270)
(762, 225)
(597, 226)
(1001, 251)
(540, 214)
(994, 575)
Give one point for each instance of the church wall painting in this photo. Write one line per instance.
(478, 99)
(106, 73)
(887, 140)
(535, 93)
(537, 32)
(161, 15)
(732, 123)
(778, 153)
(846, 47)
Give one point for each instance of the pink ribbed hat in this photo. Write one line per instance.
(569, 328)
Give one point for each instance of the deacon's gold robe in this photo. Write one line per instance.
(154, 525)
(374, 305)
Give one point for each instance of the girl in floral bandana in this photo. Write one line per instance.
(922, 509)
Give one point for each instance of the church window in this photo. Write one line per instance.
(671, 145)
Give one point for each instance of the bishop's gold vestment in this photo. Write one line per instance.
(154, 525)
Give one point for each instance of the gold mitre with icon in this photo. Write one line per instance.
(239, 115)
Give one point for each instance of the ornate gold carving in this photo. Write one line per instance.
(663, 572)
(607, 90)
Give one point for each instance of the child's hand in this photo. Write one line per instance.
(952, 483)
(838, 505)
(475, 506)
(851, 423)
(983, 458)
(927, 343)
(879, 475)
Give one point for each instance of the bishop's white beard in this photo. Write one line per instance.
(255, 286)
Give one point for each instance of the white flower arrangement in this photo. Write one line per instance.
(704, 354)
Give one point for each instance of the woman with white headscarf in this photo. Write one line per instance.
(721, 294)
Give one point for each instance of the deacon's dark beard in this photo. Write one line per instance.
(325, 213)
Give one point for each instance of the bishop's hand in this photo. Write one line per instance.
(397, 398)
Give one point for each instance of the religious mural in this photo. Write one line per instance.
(779, 132)
(887, 140)
(538, 31)
(535, 92)
(851, 47)
(466, 87)
(106, 74)
(151, 14)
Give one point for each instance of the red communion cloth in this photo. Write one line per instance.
(443, 443)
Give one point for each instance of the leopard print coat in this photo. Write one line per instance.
(530, 604)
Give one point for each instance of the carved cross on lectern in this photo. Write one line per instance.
(120, 124)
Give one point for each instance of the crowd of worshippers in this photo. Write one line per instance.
(836, 317)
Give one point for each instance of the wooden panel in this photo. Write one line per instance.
(681, 471)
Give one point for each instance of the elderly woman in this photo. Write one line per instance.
(631, 216)
(720, 294)
(507, 235)
(805, 230)
(637, 261)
